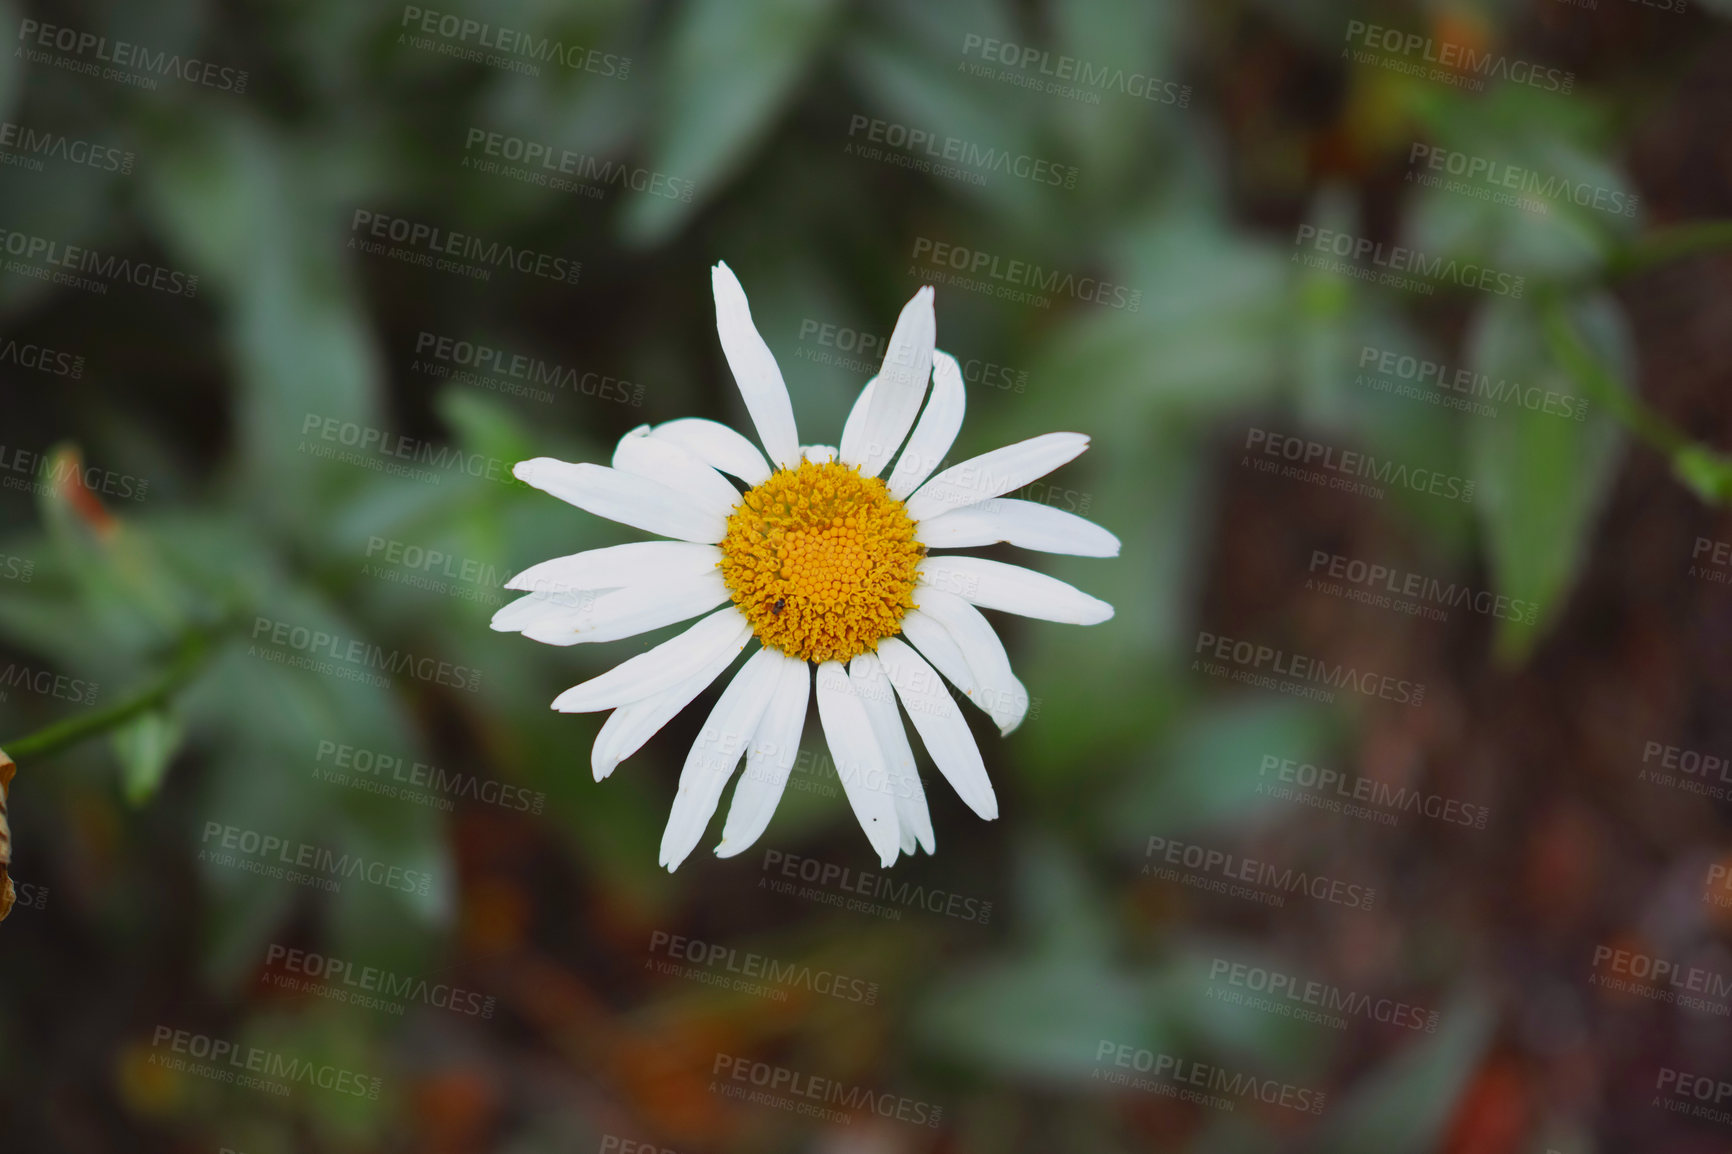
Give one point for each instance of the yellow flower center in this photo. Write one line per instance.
(821, 561)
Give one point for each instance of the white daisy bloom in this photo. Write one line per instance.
(824, 563)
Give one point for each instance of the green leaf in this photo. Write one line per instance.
(1705, 472)
(1403, 1106)
(1541, 475)
(145, 746)
(732, 66)
(258, 220)
(1045, 1011)
(1040, 1016)
(1211, 769)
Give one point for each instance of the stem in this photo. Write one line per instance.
(1581, 363)
(1669, 244)
(194, 650)
(1706, 471)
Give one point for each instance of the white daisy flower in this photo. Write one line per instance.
(822, 562)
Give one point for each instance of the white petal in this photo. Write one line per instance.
(668, 464)
(541, 607)
(819, 454)
(934, 642)
(990, 682)
(769, 759)
(859, 761)
(900, 389)
(717, 446)
(629, 726)
(1026, 524)
(587, 616)
(854, 428)
(990, 474)
(616, 566)
(1013, 589)
(624, 497)
(716, 752)
(668, 664)
(873, 686)
(940, 725)
(755, 370)
(936, 431)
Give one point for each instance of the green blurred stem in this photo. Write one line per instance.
(1581, 363)
(193, 653)
(1707, 471)
(1668, 244)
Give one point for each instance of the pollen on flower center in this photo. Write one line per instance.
(821, 561)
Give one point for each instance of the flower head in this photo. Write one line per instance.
(822, 561)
